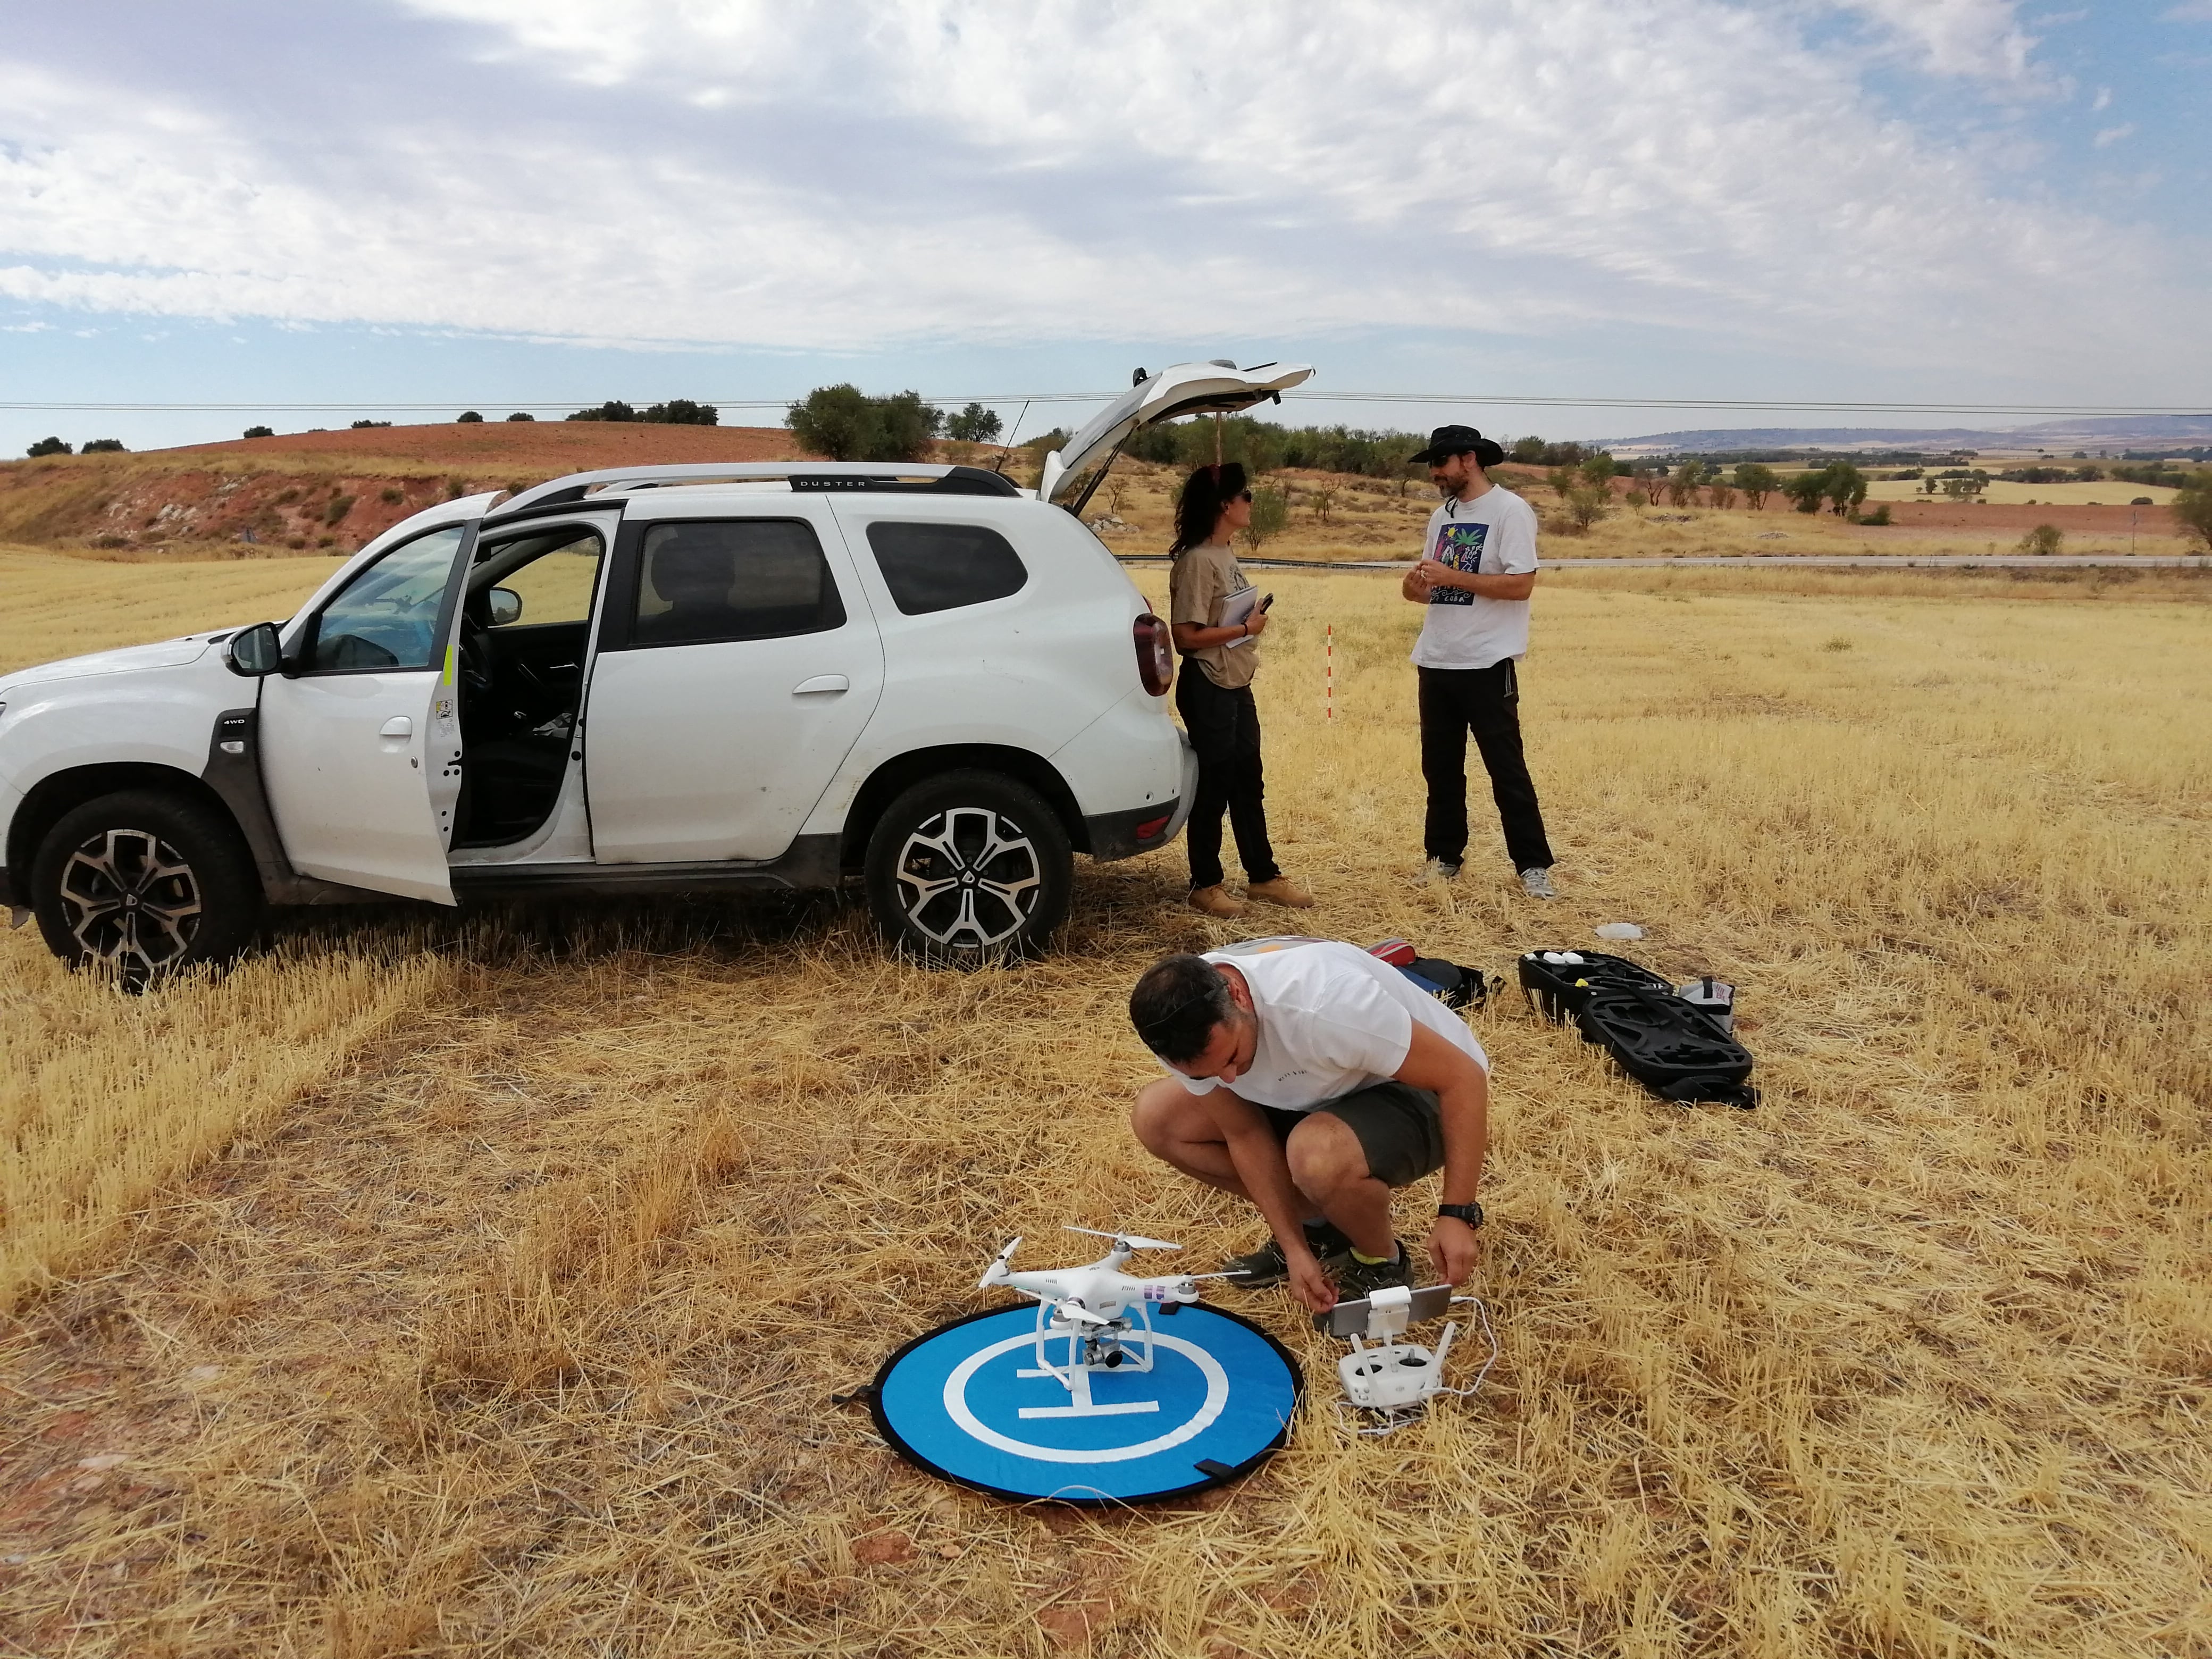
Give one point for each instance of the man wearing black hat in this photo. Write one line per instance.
(1478, 568)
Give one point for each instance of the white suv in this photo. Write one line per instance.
(650, 680)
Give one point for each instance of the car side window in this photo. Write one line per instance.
(387, 616)
(735, 579)
(552, 586)
(942, 567)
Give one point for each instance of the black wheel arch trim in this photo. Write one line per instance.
(894, 777)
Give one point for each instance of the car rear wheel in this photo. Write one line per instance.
(144, 884)
(969, 868)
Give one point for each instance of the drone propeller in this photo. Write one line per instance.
(1231, 1273)
(993, 1275)
(1132, 1240)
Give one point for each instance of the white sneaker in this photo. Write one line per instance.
(1436, 870)
(1537, 882)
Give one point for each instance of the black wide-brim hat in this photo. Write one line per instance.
(1447, 440)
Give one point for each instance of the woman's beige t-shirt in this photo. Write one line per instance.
(1201, 580)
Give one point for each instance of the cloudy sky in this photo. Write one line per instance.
(502, 202)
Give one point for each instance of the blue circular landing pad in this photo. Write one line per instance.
(968, 1401)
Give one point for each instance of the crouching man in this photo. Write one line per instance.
(1311, 1080)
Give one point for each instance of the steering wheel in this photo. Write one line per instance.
(476, 655)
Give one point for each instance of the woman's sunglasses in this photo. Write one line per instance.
(1242, 495)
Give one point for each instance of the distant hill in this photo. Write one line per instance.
(2060, 437)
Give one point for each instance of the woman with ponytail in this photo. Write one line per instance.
(1213, 693)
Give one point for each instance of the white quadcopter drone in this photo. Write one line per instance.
(1396, 1382)
(1091, 1305)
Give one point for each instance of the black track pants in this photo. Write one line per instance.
(1487, 702)
(1225, 729)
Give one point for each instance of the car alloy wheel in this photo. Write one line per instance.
(967, 878)
(130, 899)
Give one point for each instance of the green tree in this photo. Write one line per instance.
(2044, 539)
(468, 417)
(682, 411)
(973, 425)
(522, 414)
(1271, 515)
(1845, 486)
(1586, 503)
(103, 447)
(1806, 489)
(46, 446)
(1757, 481)
(1682, 486)
(845, 424)
(2193, 508)
(260, 431)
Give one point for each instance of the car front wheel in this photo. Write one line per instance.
(143, 884)
(969, 868)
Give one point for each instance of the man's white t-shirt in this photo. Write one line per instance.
(1333, 1020)
(1494, 534)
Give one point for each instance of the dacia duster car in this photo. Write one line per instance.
(921, 680)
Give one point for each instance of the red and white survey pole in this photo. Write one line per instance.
(1328, 673)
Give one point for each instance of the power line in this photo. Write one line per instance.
(1862, 406)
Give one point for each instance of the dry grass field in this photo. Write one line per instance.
(498, 1308)
(1371, 519)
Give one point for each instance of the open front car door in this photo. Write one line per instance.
(361, 748)
(1215, 388)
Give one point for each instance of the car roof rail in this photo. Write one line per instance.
(904, 477)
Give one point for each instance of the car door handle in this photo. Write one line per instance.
(398, 727)
(822, 683)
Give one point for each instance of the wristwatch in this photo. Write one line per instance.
(1470, 1212)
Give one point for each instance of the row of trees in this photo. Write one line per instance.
(676, 411)
(846, 424)
(46, 446)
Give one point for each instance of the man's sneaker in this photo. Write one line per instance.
(1281, 890)
(1216, 900)
(1257, 1269)
(1537, 882)
(1356, 1278)
(1440, 870)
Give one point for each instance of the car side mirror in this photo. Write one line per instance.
(506, 606)
(256, 651)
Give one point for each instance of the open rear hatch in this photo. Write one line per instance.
(1215, 388)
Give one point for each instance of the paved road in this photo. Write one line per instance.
(1832, 560)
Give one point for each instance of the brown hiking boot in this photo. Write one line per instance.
(1282, 890)
(1215, 900)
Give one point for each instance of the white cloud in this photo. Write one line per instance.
(1978, 38)
(2113, 135)
(852, 177)
(2103, 99)
(2190, 11)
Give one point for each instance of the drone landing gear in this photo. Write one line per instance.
(1093, 1345)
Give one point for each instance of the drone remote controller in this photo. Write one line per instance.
(1396, 1378)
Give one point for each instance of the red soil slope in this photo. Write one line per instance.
(542, 446)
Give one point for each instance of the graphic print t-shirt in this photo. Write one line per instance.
(1494, 534)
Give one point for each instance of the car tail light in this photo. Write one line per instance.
(1150, 828)
(1155, 654)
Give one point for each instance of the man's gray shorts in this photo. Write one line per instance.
(1399, 1127)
